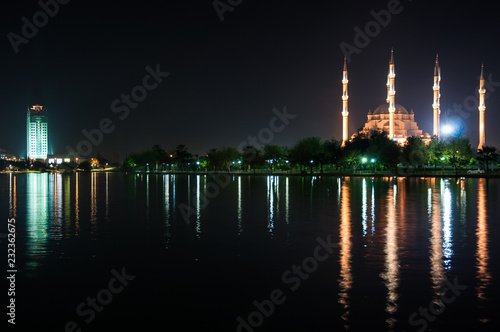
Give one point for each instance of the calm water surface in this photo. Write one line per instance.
(207, 253)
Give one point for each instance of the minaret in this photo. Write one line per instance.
(481, 108)
(345, 112)
(437, 96)
(391, 94)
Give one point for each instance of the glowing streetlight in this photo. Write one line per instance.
(364, 160)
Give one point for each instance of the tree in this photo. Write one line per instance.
(273, 154)
(229, 155)
(435, 151)
(128, 164)
(214, 158)
(386, 151)
(487, 154)
(183, 156)
(86, 166)
(457, 152)
(306, 151)
(414, 152)
(351, 153)
(251, 157)
(159, 155)
(390, 155)
(333, 150)
(351, 158)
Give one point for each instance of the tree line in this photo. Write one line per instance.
(375, 152)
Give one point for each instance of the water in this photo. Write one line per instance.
(204, 254)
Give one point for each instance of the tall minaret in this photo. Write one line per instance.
(482, 107)
(345, 112)
(437, 96)
(391, 94)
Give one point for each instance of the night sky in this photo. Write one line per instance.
(226, 77)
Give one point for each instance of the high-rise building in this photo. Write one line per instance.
(37, 133)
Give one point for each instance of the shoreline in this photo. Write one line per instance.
(317, 174)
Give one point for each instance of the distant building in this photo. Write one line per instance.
(37, 133)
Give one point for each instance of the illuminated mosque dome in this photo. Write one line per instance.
(404, 122)
(384, 109)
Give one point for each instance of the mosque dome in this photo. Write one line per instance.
(384, 109)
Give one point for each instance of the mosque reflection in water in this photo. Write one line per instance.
(68, 206)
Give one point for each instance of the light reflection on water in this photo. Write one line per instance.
(345, 259)
(391, 272)
(376, 216)
(37, 208)
(483, 274)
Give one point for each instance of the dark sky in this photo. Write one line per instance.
(227, 77)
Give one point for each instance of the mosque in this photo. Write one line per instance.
(395, 119)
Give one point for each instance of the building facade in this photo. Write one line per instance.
(404, 124)
(37, 133)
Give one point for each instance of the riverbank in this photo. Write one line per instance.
(436, 174)
(333, 174)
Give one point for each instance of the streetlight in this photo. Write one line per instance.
(373, 164)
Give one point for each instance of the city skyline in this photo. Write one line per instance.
(377, 120)
(226, 77)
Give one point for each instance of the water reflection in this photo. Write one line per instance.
(107, 198)
(12, 196)
(287, 201)
(147, 196)
(417, 225)
(67, 207)
(55, 189)
(93, 203)
(391, 271)
(198, 206)
(77, 204)
(436, 245)
(345, 281)
(482, 252)
(364, 208)
(239, 207)
(272, 187)
(166, 208)
(37, 214)
(446, 202)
